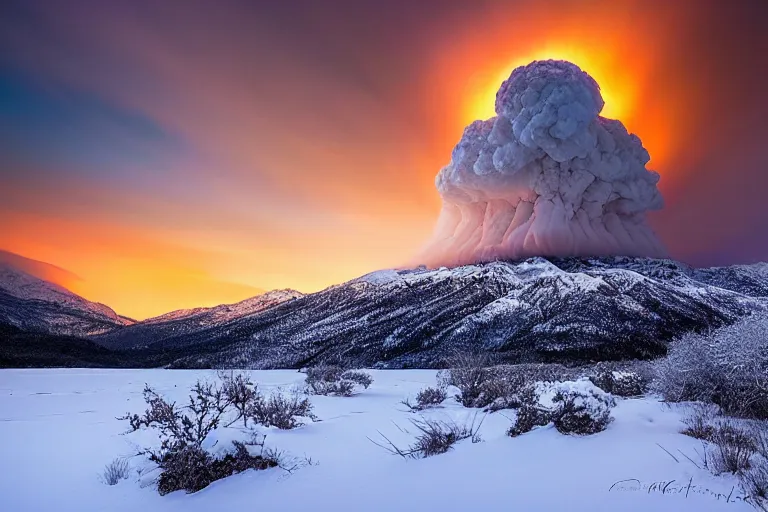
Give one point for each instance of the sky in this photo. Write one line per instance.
(189, 153)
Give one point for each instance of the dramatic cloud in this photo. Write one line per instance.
(548, 176)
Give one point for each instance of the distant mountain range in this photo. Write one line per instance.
(33, 304)
(570, 310)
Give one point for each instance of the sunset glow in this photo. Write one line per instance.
(174, 158)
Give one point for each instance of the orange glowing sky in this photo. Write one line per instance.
(175, 156)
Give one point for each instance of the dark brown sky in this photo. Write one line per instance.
(191, 151)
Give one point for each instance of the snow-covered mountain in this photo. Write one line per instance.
(33, 304)
(186, 322)
(536, 310)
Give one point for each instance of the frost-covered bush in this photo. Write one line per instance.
(427, 398)
(728, 367)
(619, 383)
(281, 410)
(334, 380)
(755, 483)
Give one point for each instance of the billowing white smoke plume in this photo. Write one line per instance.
(546, 177)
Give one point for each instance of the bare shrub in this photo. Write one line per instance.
(434, 437)
(733, 448)
(699, 421)
(581, 412)
(183, 462)
(427, 398)
(240, 392)
(179, 427)
(333, 380)
(469, 372)
(530, 414)
(115, 471)
(282, 410)
(728, 367)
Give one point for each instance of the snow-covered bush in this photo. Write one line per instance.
(334, 380)
(530, 414)
(281, 410)
(619, 383)
(581, 408)
(192, 468)
(426, 398)
(115, 471)
(575, 407)
(728, 367)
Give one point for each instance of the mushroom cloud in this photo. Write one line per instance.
(548, 176)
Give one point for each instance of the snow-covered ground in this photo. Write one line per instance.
(58, 430)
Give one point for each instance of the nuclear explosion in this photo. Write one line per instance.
(548, 176)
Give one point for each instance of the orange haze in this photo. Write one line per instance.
(317, 165)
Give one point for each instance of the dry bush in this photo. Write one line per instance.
(179, 427)
(281, 410)
(427, 398)
(469, 372)
(733, 448)
(240, 392)
(434, 437)
(699, 421)
(115, 471)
